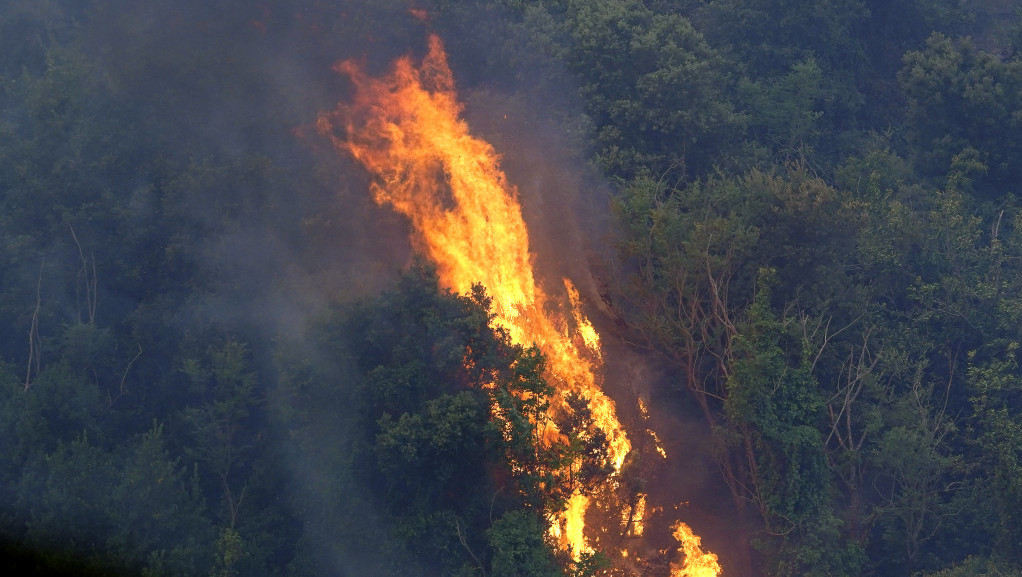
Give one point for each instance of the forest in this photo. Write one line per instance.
(800, 220)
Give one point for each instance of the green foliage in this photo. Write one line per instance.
(959, 99)
(228, 553)
(134, 506)
(786, 112)
(688, 250)
(775, 408)
(448, 448)
(979, 566)
(917, 471)
(771, 36)
(996, 393)
(653, 89)
(519, 550)
(221, 423)
(158, 223)
(160, 513)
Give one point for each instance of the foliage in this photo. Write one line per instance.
(176, 397)
(964, 100)
(995, 389)
(652, 88)
(448, 447)
(776, 409)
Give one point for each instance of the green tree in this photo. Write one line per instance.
(918, 472)
(996, 390)
(961, 98)
(519, 550)
(446, 414)
(223, 424)
(772, 36)
(653, 89)
(686, 251)
(160, 517)
(775, 410)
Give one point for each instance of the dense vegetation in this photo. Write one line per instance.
(209, 364)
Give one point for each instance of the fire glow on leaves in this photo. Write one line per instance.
(406, 129)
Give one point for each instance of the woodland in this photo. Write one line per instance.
(219, 357)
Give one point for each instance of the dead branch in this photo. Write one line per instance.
(464, 543)
(34, 343)
(86, 279)
(124, 376)
(854, 372)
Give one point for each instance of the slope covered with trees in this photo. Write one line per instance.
(209, 364)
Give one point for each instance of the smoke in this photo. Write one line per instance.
(298, 248)
(206, 78)
(224, 97)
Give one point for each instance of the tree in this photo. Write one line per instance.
(519, 550)
(685, 251)
(448, 415)
(774, 410)
(960, 99)
(159, 513)
(653, 89)
(918, 472)
(996, 393)
(222, 423)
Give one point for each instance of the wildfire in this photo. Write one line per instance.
(406, 129)
(696, 562)
(638, 516)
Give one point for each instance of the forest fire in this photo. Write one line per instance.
(407, 131)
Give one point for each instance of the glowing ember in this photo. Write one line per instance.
(406, 129)
(656, 440)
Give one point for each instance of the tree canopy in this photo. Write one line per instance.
(220, 358)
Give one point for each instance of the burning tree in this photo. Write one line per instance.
(406, 129)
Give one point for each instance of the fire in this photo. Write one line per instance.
(406, 129)
(638, 516)
(696, 562)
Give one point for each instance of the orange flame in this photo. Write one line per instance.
(696, 562)
(406, 129)
(637, 516)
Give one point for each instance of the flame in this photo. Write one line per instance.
(584, 328)
(656, 443)
(573, 520)
(695, 562)
(638, 516)
(406, 128)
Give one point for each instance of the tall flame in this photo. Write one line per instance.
(696, 562)
(406, 129)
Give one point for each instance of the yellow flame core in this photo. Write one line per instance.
(406, 129)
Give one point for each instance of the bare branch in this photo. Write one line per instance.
(124, 376)
(86, 278)
(34, 343)
(464, 543)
